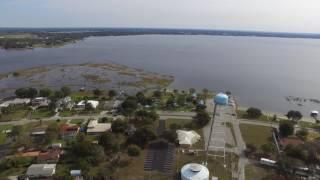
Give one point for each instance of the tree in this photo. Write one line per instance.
(65, 90)
(157, 94)
(170, 102)
(112, 93)
(119, 126)
(142, 136)
(45, 92)
(26, 92)
(133, 150)
(58, 94)
(97, 92)
(140, 97)
(254, 112)
(294, 115)
(129, 106)
(201, 119)
(146, 117)
(286, 128)
(109, 142)
(169, 135)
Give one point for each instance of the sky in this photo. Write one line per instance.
(257, 15)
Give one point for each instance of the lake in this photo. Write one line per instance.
(260, 71)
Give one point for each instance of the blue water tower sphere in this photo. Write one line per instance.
(221, 99)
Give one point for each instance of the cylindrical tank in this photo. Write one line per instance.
(194, 171)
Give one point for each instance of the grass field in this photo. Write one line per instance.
(16, 115)
(180, 122)
(254, 134)
(42, 113)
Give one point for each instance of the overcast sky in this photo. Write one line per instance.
(262, 15)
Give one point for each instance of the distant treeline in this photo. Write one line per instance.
(60, 36)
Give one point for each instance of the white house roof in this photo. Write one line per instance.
(41, 170)
(187, 137)
(93, 103)
(95, 127)
(15, 101)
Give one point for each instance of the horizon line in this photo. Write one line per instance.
(166, 28)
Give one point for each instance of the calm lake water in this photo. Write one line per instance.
(260, 71)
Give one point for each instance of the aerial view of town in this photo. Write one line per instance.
(143, 90)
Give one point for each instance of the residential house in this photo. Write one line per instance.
(50, 156)
(37, 171)
(68, 131)
(82, 104)
(96, 128)
(65, 103)
(16, 101)
(40, 102)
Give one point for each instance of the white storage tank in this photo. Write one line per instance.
(194, 171)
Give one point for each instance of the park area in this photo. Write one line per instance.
(255, 134)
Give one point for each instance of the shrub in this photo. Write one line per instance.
(254, 112)
(133, 150)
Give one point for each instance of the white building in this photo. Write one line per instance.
(15, 101)
(82, 104)
(40, 101)
(194, 171)
(95, 128)
(187, 138)
(41, 170)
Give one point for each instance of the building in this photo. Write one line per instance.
(40, 102)
(187, 138)
(194, 171)
(51, 156)
(68, 131)
(95, 128)
(82, 104)
(16, 101)
(41, 171)
(65, 103)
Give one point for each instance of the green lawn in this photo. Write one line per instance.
(254, 134)
(42, 113)
(180, 122)
(77, 121)
(67, 113)
(16, 115)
